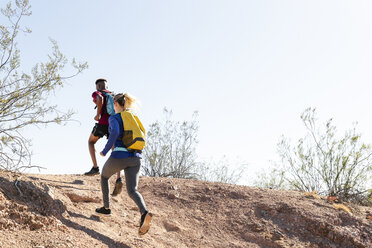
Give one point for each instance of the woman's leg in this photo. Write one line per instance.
(131, 179)
(118, 185)
(111, 166)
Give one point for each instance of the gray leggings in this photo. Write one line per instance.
(131, 167)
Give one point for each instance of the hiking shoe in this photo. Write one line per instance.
(103, 210)
(145, 223)
(118, 187)
(92, 172)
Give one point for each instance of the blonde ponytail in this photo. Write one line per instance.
(131, 102)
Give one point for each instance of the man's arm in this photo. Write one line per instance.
(99, 103)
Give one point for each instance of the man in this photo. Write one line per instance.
(100, 129)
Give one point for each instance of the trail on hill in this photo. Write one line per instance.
(58, 211)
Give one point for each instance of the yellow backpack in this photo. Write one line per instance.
(134, 132)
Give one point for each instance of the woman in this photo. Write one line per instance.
(122, 159)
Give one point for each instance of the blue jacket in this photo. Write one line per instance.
(116, 131)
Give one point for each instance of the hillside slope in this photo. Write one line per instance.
(58, 211)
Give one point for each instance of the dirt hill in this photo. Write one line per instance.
(58, 211)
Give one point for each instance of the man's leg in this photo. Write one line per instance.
(92, 151)
(91, 142)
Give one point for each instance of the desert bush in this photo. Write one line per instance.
(221, 169)
(271, 178)
(171, 152)
(170, 148)
(324, 163)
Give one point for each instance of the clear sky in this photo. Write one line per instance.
(249, 67)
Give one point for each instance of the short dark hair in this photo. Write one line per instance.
(101, 80)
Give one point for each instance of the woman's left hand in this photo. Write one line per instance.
(101, 154)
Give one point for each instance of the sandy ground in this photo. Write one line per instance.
(58, 211)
